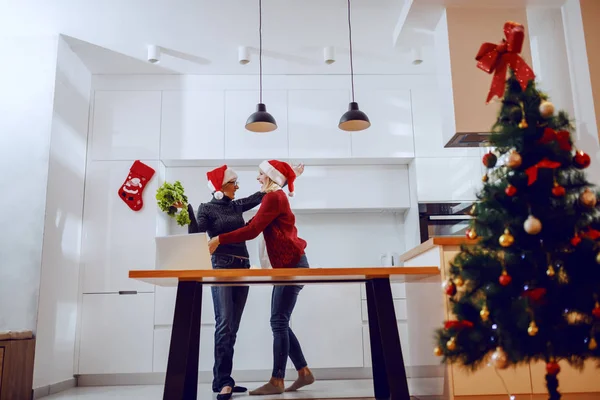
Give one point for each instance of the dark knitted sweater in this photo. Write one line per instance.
(221, 216)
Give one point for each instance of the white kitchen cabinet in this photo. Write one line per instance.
(313, 117)
(192, 125)
(402, 331)
(327, 321)
(254, 346)
(352, 187)
(162, 341)
(164, 306)
(391, 131)
(240, 143)
(115, 238)
(126, 125)
(448, 178)
(116, 333)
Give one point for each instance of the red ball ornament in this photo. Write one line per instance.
(575, 240)
(510, 190)
(489, 160)
(596, 311)
(581, 160)
(558, 191)
(552, 368)
(505, 279)
(449, 288)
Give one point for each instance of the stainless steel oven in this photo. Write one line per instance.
(443, 219)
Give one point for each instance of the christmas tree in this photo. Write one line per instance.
(529, 289)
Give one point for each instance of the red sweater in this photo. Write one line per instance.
(278, 224)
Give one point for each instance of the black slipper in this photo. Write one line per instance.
(236, 389)
(224, 396)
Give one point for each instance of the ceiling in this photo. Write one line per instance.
(202, 36)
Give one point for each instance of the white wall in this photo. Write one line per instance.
(27, 80)
(57, 313)
(586, 137)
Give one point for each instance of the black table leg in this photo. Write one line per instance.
(181, 382)
(380, 383)
(388, 353)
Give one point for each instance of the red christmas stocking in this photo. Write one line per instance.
(133, 187)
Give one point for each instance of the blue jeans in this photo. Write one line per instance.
(229, 302)
(285, 343)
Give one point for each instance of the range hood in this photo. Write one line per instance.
(463, 88)
(467, 139)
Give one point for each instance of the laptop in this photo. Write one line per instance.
(183, 252)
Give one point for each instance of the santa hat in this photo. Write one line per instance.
(279, 172)
(217, 177)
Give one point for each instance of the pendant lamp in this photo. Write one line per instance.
(261, 120)
(353, 119)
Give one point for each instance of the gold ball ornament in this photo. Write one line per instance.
(499, 358)
(546, 109)
(532, 225)
(593, 345)
(451, 344)
(506, 240)
(471, 234)
(458, 281)
(514, 160)
(533, 329)
(588, 198)
(550, 271)
(485, 178)
(563, 278)
(438, 352)
(523, 124)
(598, 258)
(484, 313)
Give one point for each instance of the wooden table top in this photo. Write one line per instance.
(286, 275)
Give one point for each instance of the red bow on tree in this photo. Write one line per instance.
(591, 234)
(562, 137)
(498, 57)
(458, 325)
(536, 296)
(532, 172)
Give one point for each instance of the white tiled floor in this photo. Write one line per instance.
(421, 388)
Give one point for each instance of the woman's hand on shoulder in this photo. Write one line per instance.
(298, 169)
(213, 244)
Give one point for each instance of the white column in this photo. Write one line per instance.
(586, 137)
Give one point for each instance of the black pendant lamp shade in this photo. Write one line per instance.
(353, 120)
(261, 120)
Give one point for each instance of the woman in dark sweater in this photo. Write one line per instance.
(221, 215)
(286, 250)
(224, 214)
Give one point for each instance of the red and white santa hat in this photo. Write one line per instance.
(280, 172)
(217, 177)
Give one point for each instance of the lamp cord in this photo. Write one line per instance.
(260, 46)
(351, 63)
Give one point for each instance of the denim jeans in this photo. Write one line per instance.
(285, 343)
(229, 302)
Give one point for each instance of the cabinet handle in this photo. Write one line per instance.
(127, 292)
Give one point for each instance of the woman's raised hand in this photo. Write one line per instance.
(298, 169)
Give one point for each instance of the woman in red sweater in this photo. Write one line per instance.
(286, 250)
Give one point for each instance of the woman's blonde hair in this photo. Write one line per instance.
(269, 185)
